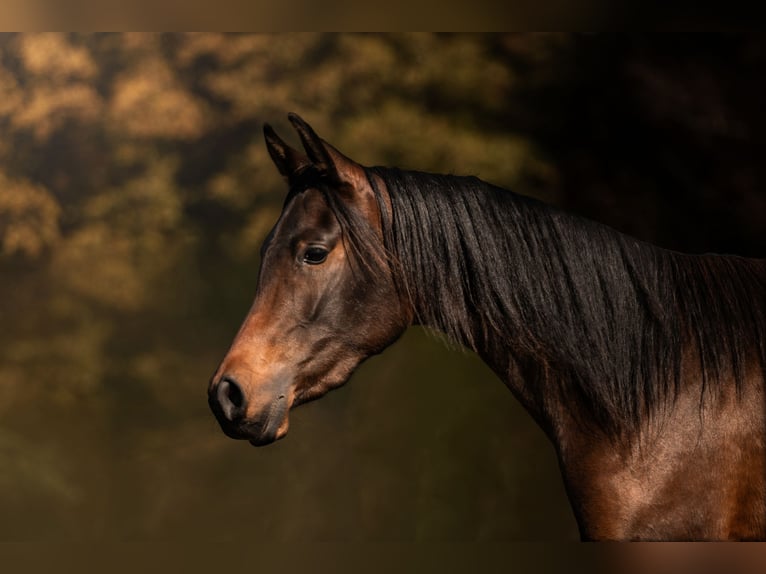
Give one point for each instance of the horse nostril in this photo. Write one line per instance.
(231, 399)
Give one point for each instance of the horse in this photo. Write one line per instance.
(644, 367)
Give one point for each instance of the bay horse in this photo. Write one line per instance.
(645, 367)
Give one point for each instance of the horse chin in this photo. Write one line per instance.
(269, 436)
(264, 440)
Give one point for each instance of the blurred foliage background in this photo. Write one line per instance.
(135, 191)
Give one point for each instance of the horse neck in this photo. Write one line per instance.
(493, 319)
(557, 305)
(585, 323)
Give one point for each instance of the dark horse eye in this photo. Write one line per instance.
(315, 255)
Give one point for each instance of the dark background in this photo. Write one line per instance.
(135, 191)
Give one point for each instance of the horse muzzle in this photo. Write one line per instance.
(241, 419)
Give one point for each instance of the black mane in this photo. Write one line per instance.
(608, 314)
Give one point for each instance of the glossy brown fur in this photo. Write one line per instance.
(694, 470)
(693, 474)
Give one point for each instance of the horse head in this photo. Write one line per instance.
(325, 299)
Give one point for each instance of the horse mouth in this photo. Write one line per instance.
(257, 433)
(270, 429)
(262, 430)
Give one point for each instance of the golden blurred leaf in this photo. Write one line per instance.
(149, 102)
(53, 57)
(149, 203)
(125, 240)
(29, 218)
(11, 94)
(46, 108)
(269, 75)
(101, 265)
(417, 140)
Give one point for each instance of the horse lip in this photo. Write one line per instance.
(258, 433)
(261, 441)
(265, 440)
(267, 431)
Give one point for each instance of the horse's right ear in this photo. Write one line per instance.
(289, 161)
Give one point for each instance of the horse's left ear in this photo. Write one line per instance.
(326, 159)
(289, 162)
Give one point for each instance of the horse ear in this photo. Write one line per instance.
(289, 161)
(326, 159)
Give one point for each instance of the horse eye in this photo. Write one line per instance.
(315, 255)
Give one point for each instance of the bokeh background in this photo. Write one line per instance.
(135, 191)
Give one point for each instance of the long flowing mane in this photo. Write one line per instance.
(610, 315)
